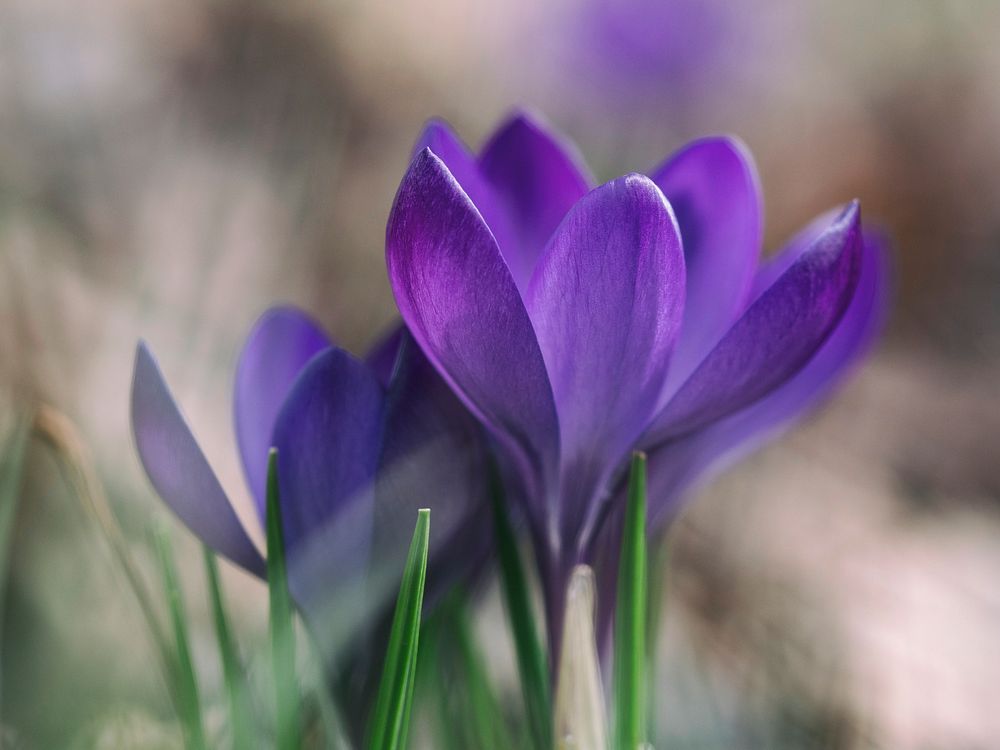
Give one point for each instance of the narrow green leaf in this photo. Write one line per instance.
(11, 469)
(282, 621)
(531, 662)
(390, 721)
(330, 720)
(630, 617)
(76, 465)
(237, 693)
(487, 719)
(435, 681)
(184, 678)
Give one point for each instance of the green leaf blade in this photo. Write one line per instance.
(237, 692)
(531, 662)
(390, 722)
(12, 461)
(185, 680)
(286, 687)
(630, 618)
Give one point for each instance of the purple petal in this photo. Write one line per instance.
(677, 467)
(713, 187)
(328, 436)
(460, 303)
(178, 469)
(606, 301)
(771, 269)
(381, 358)
(775, 337)
(281, 343)
(433, 456)
(448, 147)
(537, 180)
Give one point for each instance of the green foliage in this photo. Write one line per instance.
(237, 693)
(531, 662)
(455, 674)
(282, 619)
(11, 465)
(390, 722)
(185, 680)
(630, 618)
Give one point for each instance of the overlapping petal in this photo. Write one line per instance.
(714, 190)
(281, 343)
(382, 356)
(433, 456)
(775, 337)
(536, 179)
(464, 167)
(460, 302)
(178, 469)
(328, 435)
(606, 302)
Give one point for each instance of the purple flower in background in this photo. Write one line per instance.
(579, 324)
(644, 49)
(361, 445)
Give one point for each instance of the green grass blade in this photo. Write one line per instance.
(435, 683)
(331, 722)
(11, 466)
(531, 661)
(453, 673)
(630, 618)
(237, 693)
(390, 721)
(11, 469)
(185, 681)
(58, 433)
(487, 719)
(282, 620)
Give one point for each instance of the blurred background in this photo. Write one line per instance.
(170, 169)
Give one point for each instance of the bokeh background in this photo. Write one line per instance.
(170, 169)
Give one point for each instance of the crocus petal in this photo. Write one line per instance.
(775, 337)
(178, 469)
(449, 148)
(381, 358)
(771, 269)
(433, 456)
(458, 299)
(713, 187)
(675, 467)
(606, 301)
(281, 343)
(537, 180)
(328, 435)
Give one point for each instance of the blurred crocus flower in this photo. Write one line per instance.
(579, 324)
(361, 445)
(644, 51)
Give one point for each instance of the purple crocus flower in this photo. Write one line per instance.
(579, 324)
(361, 445)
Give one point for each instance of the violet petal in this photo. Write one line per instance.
(713, 187)
(281, 343)
(328, 435)
(777, 335)
(606, 301)
(460, 302)
(537, 180)
(178, 469)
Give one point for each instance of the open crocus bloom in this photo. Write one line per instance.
(580, 324)
(361, 446)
